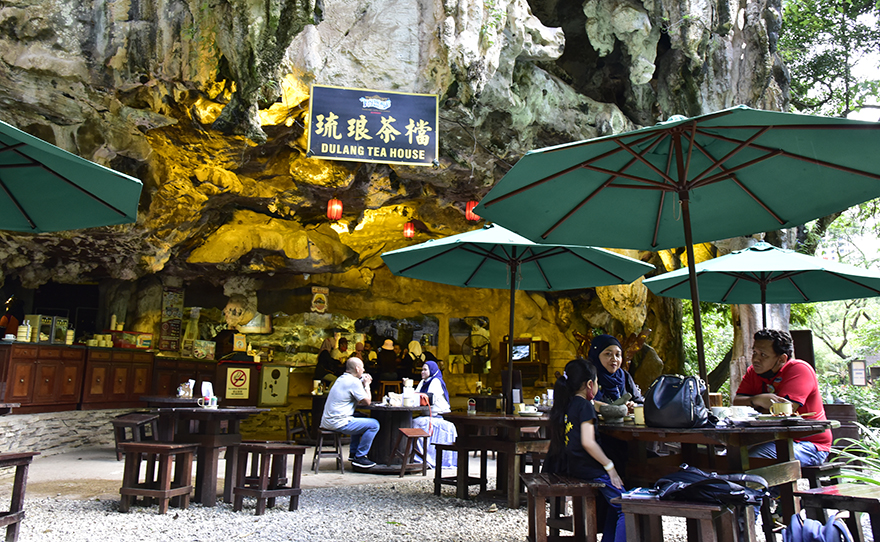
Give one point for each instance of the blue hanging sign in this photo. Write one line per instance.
(373, 126)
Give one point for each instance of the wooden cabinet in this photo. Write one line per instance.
(116, 378)
(44, 378)
(531, 358)
(169, 373)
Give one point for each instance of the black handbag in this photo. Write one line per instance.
(676, 401)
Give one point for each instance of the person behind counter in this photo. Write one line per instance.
(327, 369)
(350, 390)
(13, 316)
(341, 352)
(575, 448)
(441, 431)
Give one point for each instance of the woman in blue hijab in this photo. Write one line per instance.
(441, 431)
(606, 354)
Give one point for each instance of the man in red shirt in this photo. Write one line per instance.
(776, 377)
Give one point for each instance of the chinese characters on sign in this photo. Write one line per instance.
(373, 126)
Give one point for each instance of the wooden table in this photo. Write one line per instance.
(698, 449)
(215, 428)
(484, 403)
(390, 420)
(161, 401)
(508, 443)
(12, 519)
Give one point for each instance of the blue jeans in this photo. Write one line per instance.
(804, 451)
(615, 527)
(362, 431)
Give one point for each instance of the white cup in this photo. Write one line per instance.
(207, 402)
(720, 412)
(739, 412)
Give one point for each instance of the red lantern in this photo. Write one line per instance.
(469, 212)
(334, 209)
(409, 230)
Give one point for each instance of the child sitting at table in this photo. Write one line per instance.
(575, 449)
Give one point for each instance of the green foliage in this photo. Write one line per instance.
(492, 23)
(862, 457)
(717, 334)
(822, 42)
(866, 399)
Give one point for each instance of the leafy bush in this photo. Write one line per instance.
(862, 457)
(865, 398)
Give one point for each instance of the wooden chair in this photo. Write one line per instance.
(132, 427)
(715, 522)
(296, 424)
(268, 477)
(389, 385)
(12, 519)
(462, 480)
(163, 485)
(333, 448)
(582, 522)
(855, 498)
(410, 451)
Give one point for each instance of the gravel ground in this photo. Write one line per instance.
(399, 511)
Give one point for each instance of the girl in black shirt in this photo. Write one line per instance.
(575, 448)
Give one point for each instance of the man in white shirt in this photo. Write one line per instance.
(349, 390)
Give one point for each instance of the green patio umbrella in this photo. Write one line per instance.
(493, 257)
(688, 180)
(44, 188)
(763, 274)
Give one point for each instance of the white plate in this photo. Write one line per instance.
(531, 414)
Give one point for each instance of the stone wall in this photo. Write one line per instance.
(53, 433)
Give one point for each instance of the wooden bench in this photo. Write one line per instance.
(162, 485)
(462, 480)
(136, 423)
(268, 477)
(540, 487)
(12, 519)
(855, 498)
(410, 450)
(715, 522)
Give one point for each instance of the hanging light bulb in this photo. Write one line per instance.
(334, 209)
(469, 211)
(409, 230)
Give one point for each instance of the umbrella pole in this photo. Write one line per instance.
(695, 293)
(508, 393)
(764, 303)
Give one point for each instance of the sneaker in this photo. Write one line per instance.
(363, 462)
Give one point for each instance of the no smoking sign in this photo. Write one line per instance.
(237, 379)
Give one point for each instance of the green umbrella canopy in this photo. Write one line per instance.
(484, 258)
(44, 188)
(763, 273)
(493, 257)
(743, 171)
(688, 180)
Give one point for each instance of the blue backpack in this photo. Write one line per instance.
(810, 530)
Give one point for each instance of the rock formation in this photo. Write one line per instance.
(206, 102)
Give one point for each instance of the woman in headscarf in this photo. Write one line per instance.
(606, 354)
(327, 368)
(441, 431)
(412, 361)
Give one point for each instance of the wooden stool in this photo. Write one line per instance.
(388, 385)
(856, 498)
(295, 424)
(323, 450)
(137, 423)
(461, 487)
(12, 519)
(162, 485)
(408, 456)
(540, 487)
(268, 474)
(717, 523)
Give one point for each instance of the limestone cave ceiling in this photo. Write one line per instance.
(206, 102)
